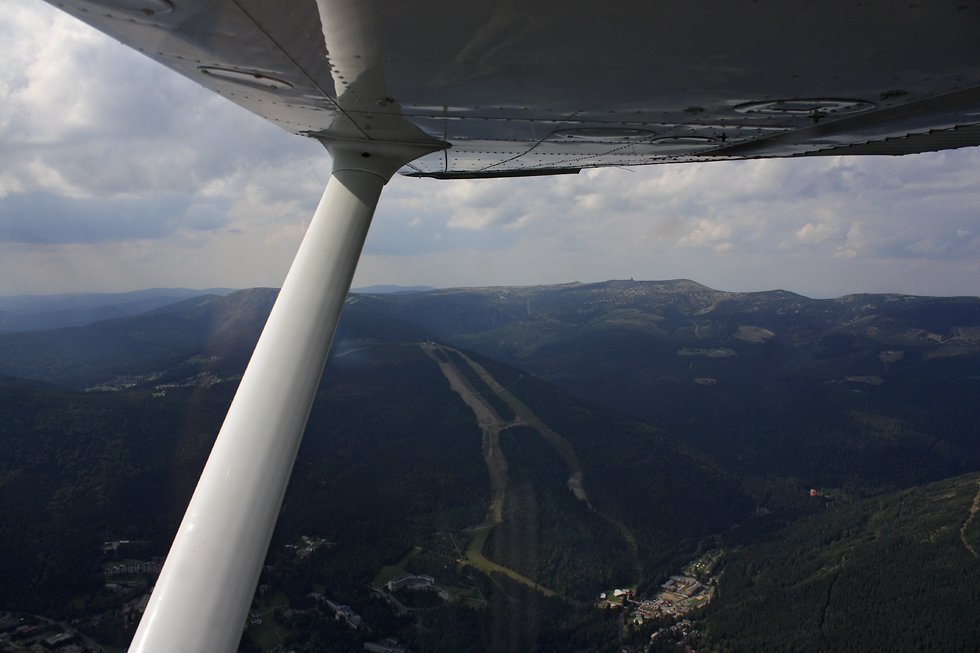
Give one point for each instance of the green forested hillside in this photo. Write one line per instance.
(898, 572)
(225, 328)
(34, 312)
(391, 460)
(863, 392)
(78, 470)
(771, 394)
(772, 384)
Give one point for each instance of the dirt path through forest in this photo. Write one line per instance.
(492, 424)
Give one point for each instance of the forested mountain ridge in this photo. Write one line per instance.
(391, 462)
(859, 578)
(33, 312)
(771, 395)
(209, 325)
(674, 307)
(769, 382)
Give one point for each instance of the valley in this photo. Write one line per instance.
(527, 449)
(478, 399)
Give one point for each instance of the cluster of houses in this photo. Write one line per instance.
(346, 614)
(674, 599)
(680, 629)
(149, 567)
(387, 645)
(310, 545)
(682, 586)
(418, 582)
(202, 380)
(340, 612)
(615, 598)
(152, 566)
(23, 634)
(30, 633)
(115, 544)
(678, 596)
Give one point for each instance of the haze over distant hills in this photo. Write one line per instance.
(40, 312)
(690, 416)
(33, 312)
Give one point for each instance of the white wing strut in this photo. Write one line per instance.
(204, 592)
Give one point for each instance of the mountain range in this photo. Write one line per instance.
(34, 312)
(687, 415)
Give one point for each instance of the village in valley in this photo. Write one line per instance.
(694, 587)
(667, 610)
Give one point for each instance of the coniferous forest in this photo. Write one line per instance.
(825, 453)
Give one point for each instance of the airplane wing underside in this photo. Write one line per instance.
(536, 87)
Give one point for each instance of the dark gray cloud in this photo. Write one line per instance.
(47, 218)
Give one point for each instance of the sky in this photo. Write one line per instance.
(117, 174)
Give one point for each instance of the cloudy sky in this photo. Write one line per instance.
(116, 174)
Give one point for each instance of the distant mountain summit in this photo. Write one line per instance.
(386, 290)
(514, 321)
